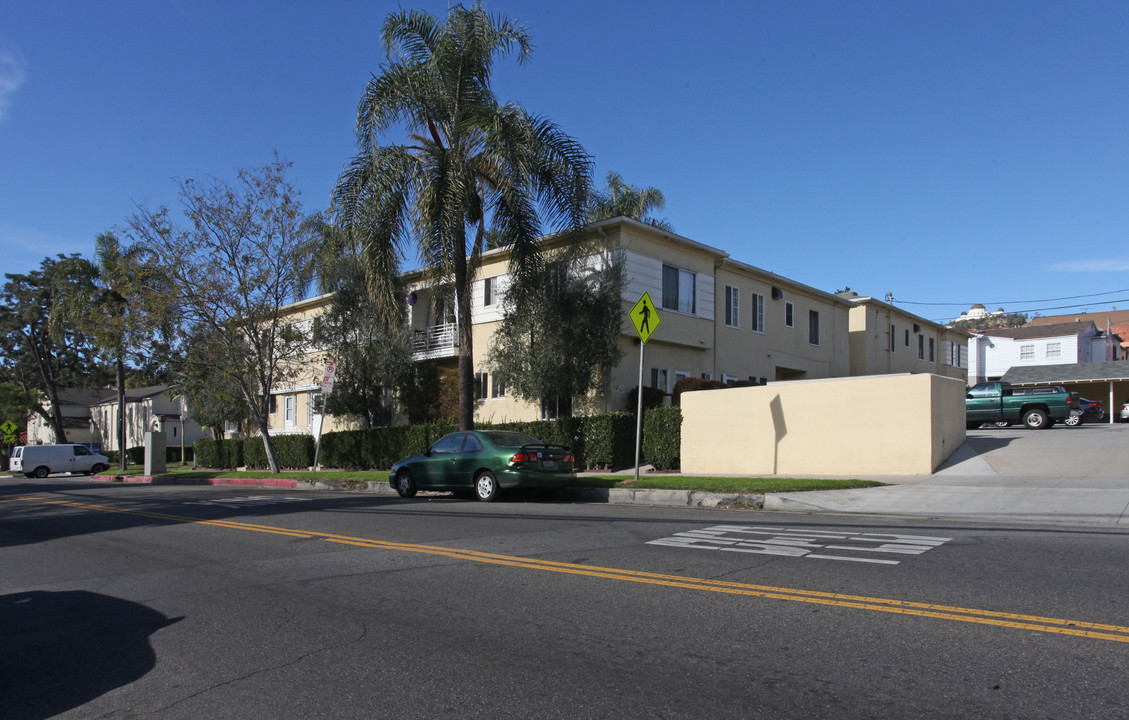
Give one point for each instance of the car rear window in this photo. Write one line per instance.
(19, 451)
(511, 439)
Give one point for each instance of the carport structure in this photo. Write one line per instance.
(1093, 380)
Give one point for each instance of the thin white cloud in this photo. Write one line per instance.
(1113, 265)
(13, 72)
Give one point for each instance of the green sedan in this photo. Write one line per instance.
(486, 461)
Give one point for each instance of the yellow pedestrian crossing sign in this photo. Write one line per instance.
(645, 317)
(8, 430)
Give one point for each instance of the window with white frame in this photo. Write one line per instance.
(789, 314)
(1026, 352)
(314, 406)
(489, 291)
(497, 387)
(679, 290)
(1054, 350)
(290, 410)
(707, 376)
(660, 379)
(480, 381)
(732, 307)
(758, 313)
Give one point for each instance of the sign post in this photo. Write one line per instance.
(326, 389)
(645, 317)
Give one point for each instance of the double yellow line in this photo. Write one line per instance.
(1059, 626)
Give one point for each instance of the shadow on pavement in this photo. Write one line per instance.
(59, 650)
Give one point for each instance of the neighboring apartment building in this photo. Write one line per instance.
(1114, 322)
(993, 352)
(91, 416)
(75, 405)
(886, 339)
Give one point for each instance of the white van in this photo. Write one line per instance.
(42, 460)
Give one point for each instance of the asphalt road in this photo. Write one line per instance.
(136, 602)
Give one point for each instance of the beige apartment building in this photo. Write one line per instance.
(721, 319)
(886, 339)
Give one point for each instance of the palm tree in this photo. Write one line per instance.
(469, 165)
(115, 299)
(627, 200)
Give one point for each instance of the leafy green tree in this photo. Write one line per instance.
(372, 357)
(470, 164)
(247, 253)
(618, 198)
(39, 356)
(122, 301)
(535, 352)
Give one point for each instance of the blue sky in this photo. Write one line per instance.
(947, 152)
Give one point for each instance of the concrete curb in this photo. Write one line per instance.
(616, 496)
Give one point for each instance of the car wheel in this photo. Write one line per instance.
(486, 486)
(99, 469)
(1003, 423)
(405, 486)
(1073, 421)
(1036, 419)
(40, 472)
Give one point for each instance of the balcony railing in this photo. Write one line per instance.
(435, 341)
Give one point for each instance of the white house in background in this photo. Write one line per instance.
(991, 353)
(146, 409)
(75, 405)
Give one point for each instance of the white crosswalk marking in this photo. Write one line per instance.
(800, 542)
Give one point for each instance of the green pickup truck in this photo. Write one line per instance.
(994, 402)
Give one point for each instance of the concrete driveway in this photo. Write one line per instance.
(1060, 475)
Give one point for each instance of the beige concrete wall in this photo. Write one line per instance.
(879, 425)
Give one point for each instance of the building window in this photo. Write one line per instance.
(758, 313)
(732, 307)
(273, 404)
(1054, 350)
(907, 337)
(813, 327)
(290, 410)
(707, 376)
(1026, 352)
(489, 291)
(660, 379)
(728, 379)
(920, 347)
(497, 388)
(480, 385)
(789, 313)
(893, 340)
(679, 290)
(932, 350)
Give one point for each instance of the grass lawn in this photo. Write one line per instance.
(662, 482)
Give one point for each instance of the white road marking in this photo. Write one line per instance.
(796, 542)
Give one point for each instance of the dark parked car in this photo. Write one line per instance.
(486, 461)
(1088, 411)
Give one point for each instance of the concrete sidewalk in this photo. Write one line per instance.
(1065, 476)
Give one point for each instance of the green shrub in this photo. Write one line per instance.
(689, 384)
(378, 448)
(652, 398)
(662, 437)
(292, 452)
(219, 454)
(609, 441)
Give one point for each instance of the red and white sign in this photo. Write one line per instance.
(327, 379)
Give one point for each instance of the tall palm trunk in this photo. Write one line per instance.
(466, 343)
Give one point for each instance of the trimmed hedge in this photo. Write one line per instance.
(378, 448)
(134, 455)
(662, 437)
(219, 454)
(293, 452)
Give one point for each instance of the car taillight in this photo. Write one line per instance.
(568, 458)
(521, 457)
